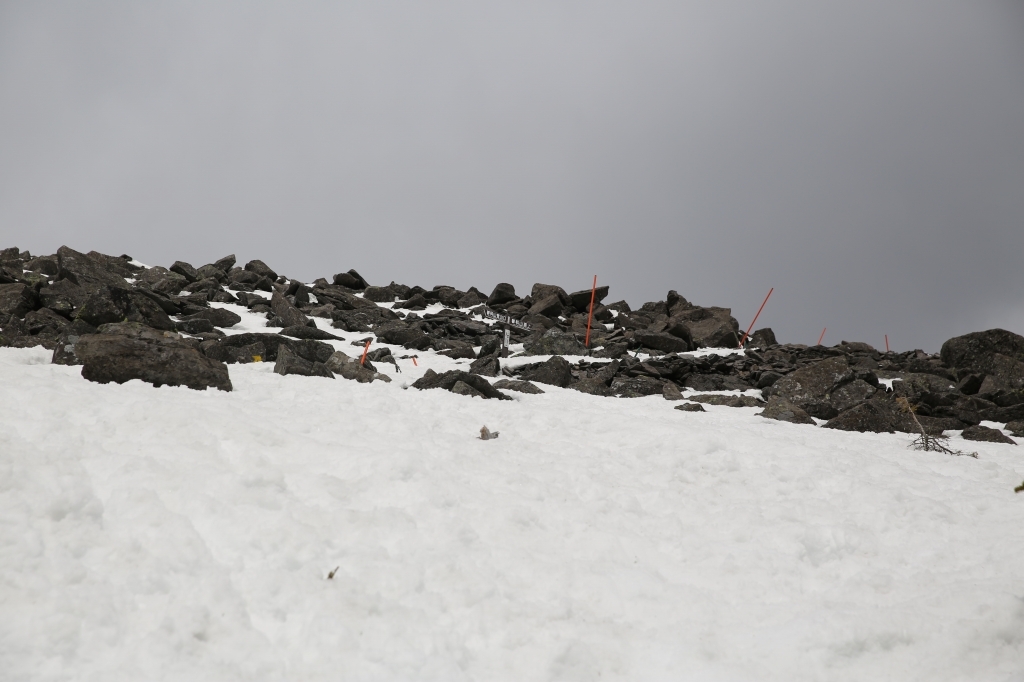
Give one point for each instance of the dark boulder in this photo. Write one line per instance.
(986, 435)
(1016, 428)
(503, 293)
(580, 300)
(447, 381)
(241, 347)
(197, 325)
(185, 270)
(211, 272)
(84, 271)
(63, 297)
(996, 353)
(850, 394)
(165, 281)
(709, 327)
(661, 341)
(226, 263)
(518, 386)
(810, 387)
(379, 294)
(158, 358)
(548, 306)
(290, 363)
(636, 387)
(762, 338)
(105, 305)
(351, 280)
(876, 416)
(260, 269)
(471, 299)
(715, 382)
(690, 407)
(45, 322)
(554, 342)
(45, 265)
(670, 391)
(304, 332)
(462, 388)
(782, 410)
(17, 299)
(218, 317)
(728, 400)
(400, 334)
(414, 302)
(362, 320)
(555, 371)
(488, 366)
(289, 314)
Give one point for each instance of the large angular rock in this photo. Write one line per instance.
(166, 281)
(556, 371)
(403, 335)
(850, 394)
(636, 387)
(986, 435)
(362, 320)
(218, 317)
(349, 368)
(158, 358)
(548, 306)
(662, 341)
(84, 271)
(710, 327)
(185, 270)
(782, 410)
(715, 382)
(995, 353)
(290, 363)
(226, 263)
(580, 300)
(351, 280)
(289, 314)
(447, 381)
(260, 269)
(303, 332)
(762, 338)
(105, 305)
(810, 387)
(487, 366)
(64, 297)
(242, 348)
(876, 416)
(1016, 428)
(554, 342)
(728, 400)
(17, 299)
(503, 293)
(518, 386)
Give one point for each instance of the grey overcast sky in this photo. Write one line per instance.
(864, 158)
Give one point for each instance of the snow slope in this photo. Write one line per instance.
(170, 534)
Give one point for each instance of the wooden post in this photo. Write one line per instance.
(593, 293)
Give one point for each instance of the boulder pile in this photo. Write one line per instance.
(121, 321)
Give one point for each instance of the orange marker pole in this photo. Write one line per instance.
(821, 337)
(414, 361)
(886, 343)
(747, 333)
(365, 348)
(593, 293)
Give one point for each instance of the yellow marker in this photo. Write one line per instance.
(257, 358)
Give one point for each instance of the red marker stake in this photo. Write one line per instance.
(365, 348)
(747, 333)
(593, 293)
(886, 343)
(821, 337)
(414, 361)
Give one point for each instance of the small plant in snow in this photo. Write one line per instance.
(926, 441)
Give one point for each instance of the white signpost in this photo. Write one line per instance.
(508, 321)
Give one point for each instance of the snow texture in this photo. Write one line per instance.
(171, 534)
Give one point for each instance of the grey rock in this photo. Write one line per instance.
(781, 409)
(986, 434)
(876, 416)
(636, 387)
(218, 317)
(728, 400)
(150, 356)
(305, 332)
(260, 269)
(289, 314)
(290, 363)
(17, 299)
(554, 342)
(518, 386)
(555, 371)
(690, 407)
(462, 388)
(1016, 428)
(447, 380)
(503, 293)
(671, 392)
(809, 387)
(185, 270)
(667, 343)
(488, 366)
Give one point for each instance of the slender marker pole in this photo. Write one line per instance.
(593, 293)
(821, 337)
(414, 361)
(365, 348)
(747, 333)
(886, 343)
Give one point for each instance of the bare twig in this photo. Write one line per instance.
(330, 576)
(926, 441)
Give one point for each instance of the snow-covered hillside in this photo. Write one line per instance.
(172, 534)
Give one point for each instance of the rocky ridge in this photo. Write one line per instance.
(121, 321)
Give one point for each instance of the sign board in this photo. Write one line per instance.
(506, 319)
(508, 337)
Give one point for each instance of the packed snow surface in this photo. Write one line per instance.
(170, 534)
